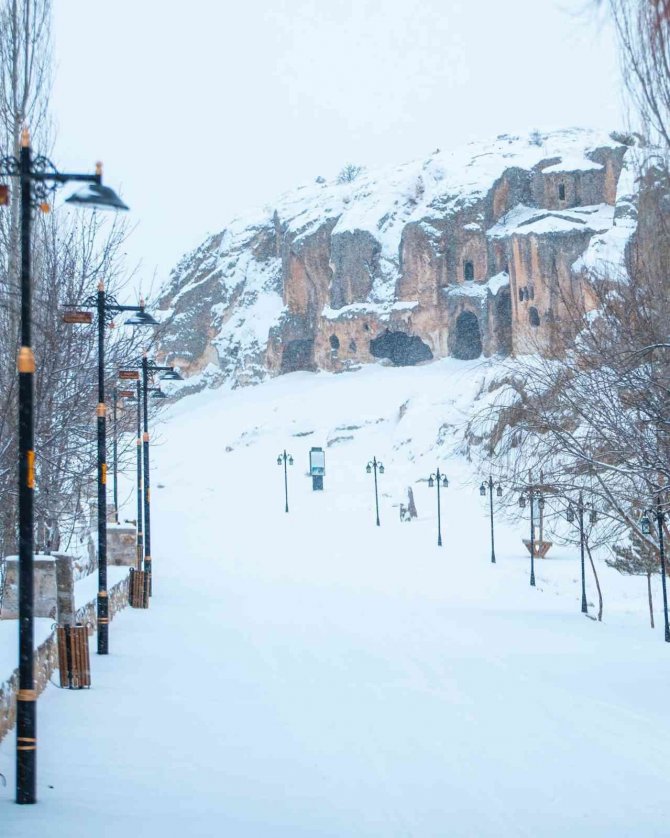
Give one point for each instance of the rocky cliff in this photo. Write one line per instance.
(463, 253)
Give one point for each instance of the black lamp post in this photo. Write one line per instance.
(136, 398)
(115, 452)
(440, 480)
(533, 495)
(645, 526)
(286, 459)
(38, 178)
(149, 368)
(482, 491)
(107, 307)
(593, 517)
(375, 466)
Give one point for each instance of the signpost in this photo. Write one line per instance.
(317, 467)
(78, 317)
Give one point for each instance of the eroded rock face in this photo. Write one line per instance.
(468, 252)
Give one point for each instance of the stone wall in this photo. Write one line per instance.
(46, 656)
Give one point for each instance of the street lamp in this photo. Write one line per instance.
(374, 466)
(136, 398)
(482, 491)
(534, 496)
(38, 178)
(440, 480)
(593, 517)
(149, 368)
(645, 526)
(107, 307)
(287, 459)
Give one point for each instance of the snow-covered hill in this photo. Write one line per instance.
(316, 279)
(312, 674)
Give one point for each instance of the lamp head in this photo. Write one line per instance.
(381, 468)
(141, 318)
(645, 524)
(96, 196)
(445, 483)
(158, 394)
(279, 460)
(172, 375)
(368, 468)
(522, 501)
(570, 514)
(482, 490)
(499, 490)
(593, 517)
(290, 460)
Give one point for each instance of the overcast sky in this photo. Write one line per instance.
(205, 108)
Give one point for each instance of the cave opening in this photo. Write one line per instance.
(401, 349)
(298, 355)
(468, 338)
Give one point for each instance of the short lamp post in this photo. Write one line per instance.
(490, 485)
(533, 496)
(38, 178)
(440, 480)
(287, 460)
(593, 518)
(375, 466)
(645, 526)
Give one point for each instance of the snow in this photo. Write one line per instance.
(480, 289)
(311, 674)
(523, 220)
(381, 310)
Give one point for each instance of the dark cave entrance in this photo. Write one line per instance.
(401, 349)
(468, 338)
(298, 355)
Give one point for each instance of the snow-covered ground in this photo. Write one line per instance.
(310, 674)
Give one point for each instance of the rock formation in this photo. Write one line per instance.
(465, 253)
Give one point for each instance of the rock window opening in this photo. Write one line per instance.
(561, 192)
(334, 342)
(468, 271)
(352, 346)
(533, 317)
(366, 328)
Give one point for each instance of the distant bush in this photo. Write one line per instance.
(623, 138)
(349, 173)
(536, 138)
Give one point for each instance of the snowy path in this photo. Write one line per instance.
(312, 675)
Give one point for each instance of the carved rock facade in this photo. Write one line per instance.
(466, 253)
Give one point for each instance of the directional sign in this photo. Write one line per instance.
(126, 394)
(77, 317)
(4, 194)
(129, 375)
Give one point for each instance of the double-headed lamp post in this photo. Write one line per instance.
(170, 374)
(593, 518)
(489, 484)
(38, 178)
(286, 459)
(645, 526)
(440, 480)
(375, 466)
(532, 495)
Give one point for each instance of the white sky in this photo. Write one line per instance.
(205, 108)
